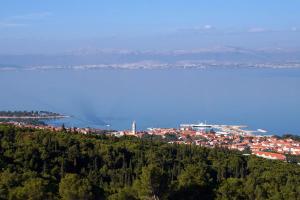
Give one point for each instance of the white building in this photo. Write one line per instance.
(133, 128)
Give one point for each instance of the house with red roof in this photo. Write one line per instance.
(269, 155)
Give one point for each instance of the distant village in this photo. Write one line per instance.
(204, 135)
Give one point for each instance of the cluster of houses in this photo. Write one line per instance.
(269, 147)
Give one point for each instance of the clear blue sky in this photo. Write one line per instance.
(31, 26)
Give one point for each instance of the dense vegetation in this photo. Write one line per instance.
(37, 164)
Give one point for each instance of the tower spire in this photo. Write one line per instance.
(133, 128)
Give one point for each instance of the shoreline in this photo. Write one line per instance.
(33, 117)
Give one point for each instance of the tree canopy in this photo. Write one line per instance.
(41, 164)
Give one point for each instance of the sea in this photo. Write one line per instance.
(266, 99)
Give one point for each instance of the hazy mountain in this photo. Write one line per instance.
(107, 57)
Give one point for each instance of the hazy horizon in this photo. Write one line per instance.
(53, 44)
(54, 27)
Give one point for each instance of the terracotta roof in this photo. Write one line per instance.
(270, 155)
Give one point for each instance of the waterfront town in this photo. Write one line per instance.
(202, 134)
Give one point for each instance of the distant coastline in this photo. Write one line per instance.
(213, 57)
(29, 117)
(34, 117)
(159, 66)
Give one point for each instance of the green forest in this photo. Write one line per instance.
(39, 164)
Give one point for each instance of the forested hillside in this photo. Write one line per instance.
(38, 164)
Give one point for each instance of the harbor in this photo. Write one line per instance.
(233, 137)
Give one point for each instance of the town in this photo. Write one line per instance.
(232, 137)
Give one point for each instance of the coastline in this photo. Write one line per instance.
(35, 117)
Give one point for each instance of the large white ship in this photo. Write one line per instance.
(196, 126)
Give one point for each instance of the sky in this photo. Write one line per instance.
(55, 26)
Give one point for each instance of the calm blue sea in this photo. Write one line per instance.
(260, 98)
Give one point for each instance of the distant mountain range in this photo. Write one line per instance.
(116, 58)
